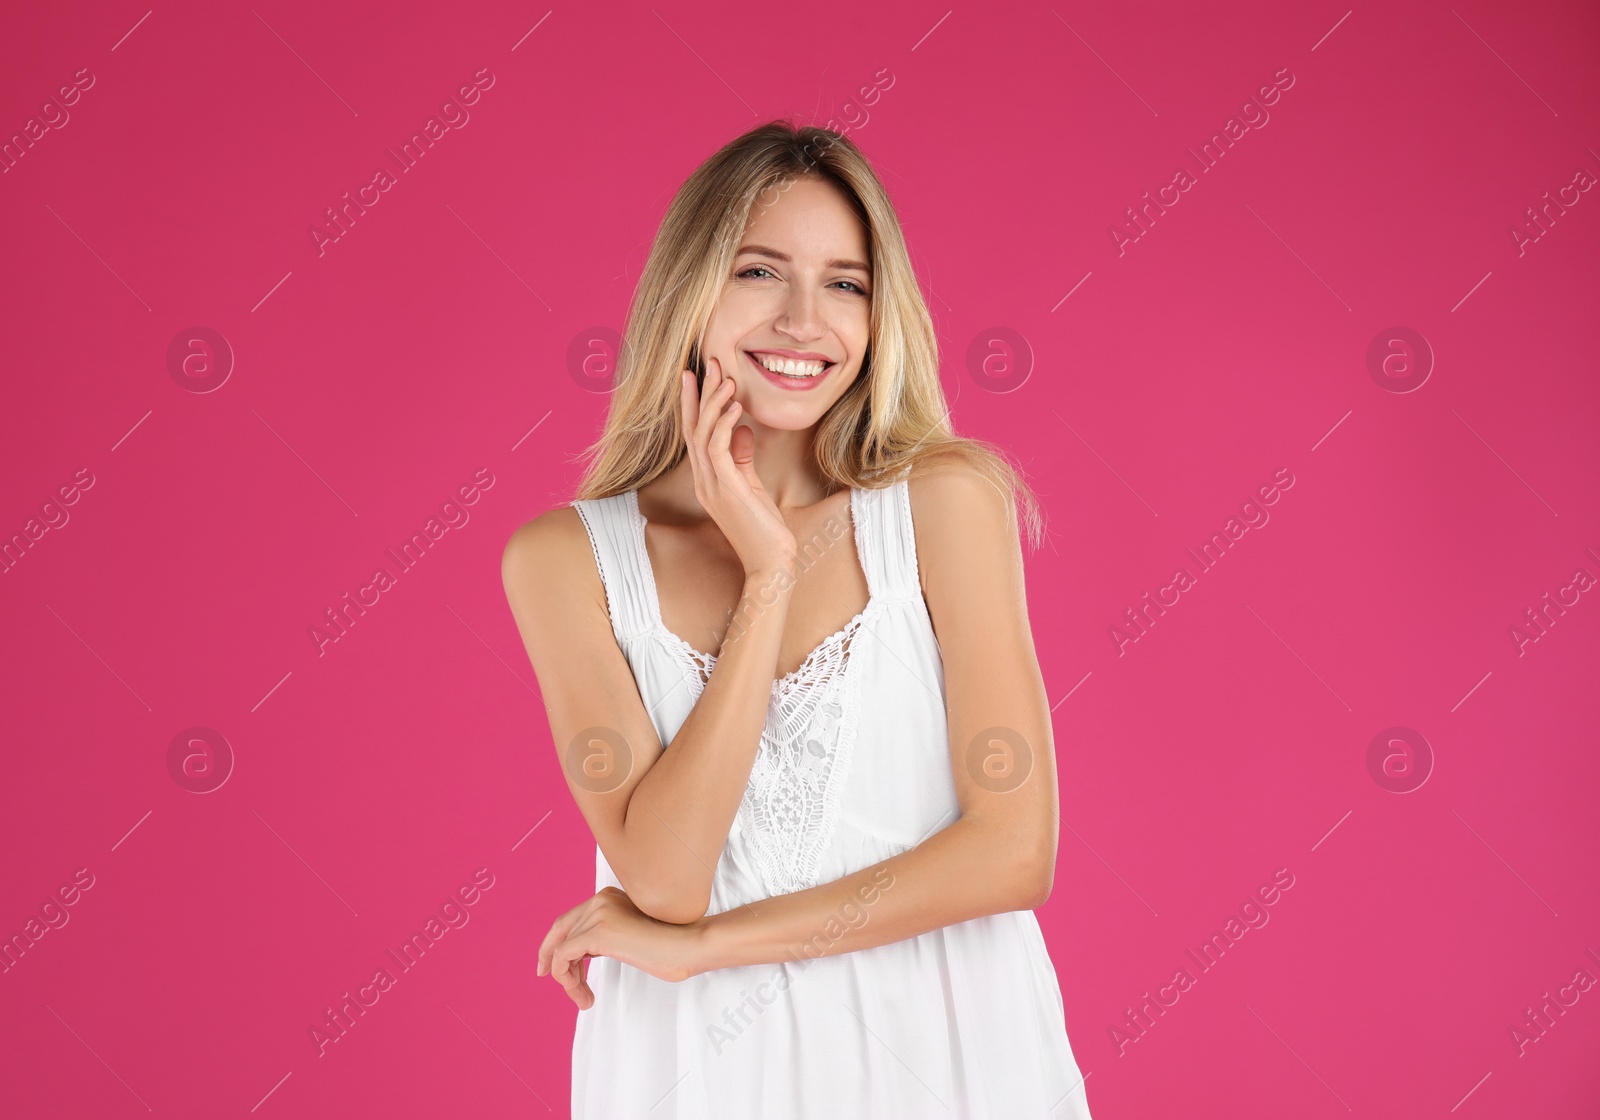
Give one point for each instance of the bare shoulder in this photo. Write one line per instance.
(552, 555)
(962, 518)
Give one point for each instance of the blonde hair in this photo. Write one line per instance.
(894, 414)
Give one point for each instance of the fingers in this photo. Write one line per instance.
(570, 967)
(707, 428)
(721, 433)
(712, 402)
(688, 400)
(551, 940)
(559, 932)
(693, 396)
(742, 449)
(583, 985)
(701, 408)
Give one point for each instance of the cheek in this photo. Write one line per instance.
(841, 386)
(742, 309)
(729, 322)
(859, 334)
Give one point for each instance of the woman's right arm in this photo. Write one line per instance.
(660, 816)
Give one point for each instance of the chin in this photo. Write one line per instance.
(780, 419)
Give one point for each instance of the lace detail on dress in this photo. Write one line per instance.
(791, 802)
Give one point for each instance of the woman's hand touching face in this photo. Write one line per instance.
(722, 456)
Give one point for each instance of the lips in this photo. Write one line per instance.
(791, 356)
(793, 384)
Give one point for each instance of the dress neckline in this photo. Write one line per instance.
(709, 660)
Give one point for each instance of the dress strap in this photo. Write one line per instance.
(613, 533)
(890, 544)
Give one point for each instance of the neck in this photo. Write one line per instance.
(783, 463)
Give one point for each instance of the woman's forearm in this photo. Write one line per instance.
(965, 871)
(680, 813)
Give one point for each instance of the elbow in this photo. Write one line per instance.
(678, 913)
(1025, 864)
(1035, 876)
(677, 908)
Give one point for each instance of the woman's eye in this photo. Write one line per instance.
(749, 272)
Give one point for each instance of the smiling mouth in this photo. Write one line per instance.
(788, 368)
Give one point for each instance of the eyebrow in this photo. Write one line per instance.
(762, 250)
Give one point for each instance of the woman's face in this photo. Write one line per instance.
(799, 295)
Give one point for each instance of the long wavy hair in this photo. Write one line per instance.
(893, 416)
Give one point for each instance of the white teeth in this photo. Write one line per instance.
(788, 367)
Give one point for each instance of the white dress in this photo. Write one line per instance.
(963, 1022)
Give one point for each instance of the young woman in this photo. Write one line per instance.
(807, 728)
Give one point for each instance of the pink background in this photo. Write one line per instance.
(1161, 384)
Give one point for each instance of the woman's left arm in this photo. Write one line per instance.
(998, 855)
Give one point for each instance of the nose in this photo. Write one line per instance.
(802, 315)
